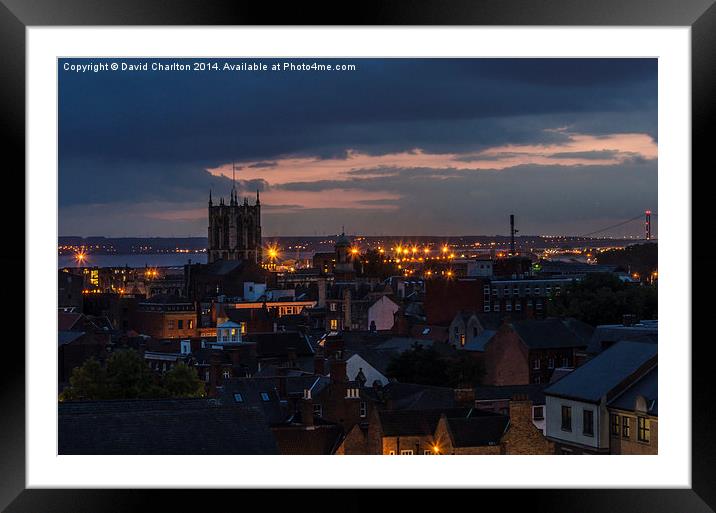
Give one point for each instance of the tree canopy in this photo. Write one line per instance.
(425, 366)
(602, 298)
(127, 376)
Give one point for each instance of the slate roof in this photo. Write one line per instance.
(402, 344)
(162, 426)
(321, 440)
(276, 344)
(65, 337)
(479, 342)
(535, 392)
(547, 334)
(642, 332)
(250, 390)
(477, 430)
(603, 373)
(410, 396)
(647, 387)
(416, 422)
(67, 320)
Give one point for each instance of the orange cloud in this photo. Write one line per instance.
(616, 148)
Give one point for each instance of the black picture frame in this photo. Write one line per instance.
(17, 15)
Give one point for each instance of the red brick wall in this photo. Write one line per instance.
(506, 359)
(445, 298)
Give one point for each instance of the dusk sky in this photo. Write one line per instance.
(398, 147)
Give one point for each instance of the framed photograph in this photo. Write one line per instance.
(277, 251)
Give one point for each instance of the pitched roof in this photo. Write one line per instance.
(477, 430)
(416, 422)
(404, 396)
(65, 337)
(274, 344)
(547, 334)
(535, 392)
(479, 342)
(647, 387)
(610, 333)
(67, 320)
(249, 392)
(162, 426)
(606, 371)
(322, 439)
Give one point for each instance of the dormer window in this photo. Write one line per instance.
(264, 396)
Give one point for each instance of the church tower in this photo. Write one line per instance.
(235, 229)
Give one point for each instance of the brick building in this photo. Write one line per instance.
(634, 417)
(528, 351)
(165, 317)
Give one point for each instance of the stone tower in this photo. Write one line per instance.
(235, 230)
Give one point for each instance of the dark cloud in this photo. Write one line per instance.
(589, 155)
(148, 138)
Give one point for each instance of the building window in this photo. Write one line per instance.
(180, 324)
(538, 413)
(243, 328)
(317, 410)
(508, 307)
(474, 331)
(233, 332)
(588, 422)
(264, 396)
(363, 409)
(406, 452)
(238, 398)
(486, 308)
(496, 307)
(537, 379)
(518, 306)
(462, 339)
(391, 453)
(642, 433)
(565, 361)
(550, 363)
(334, 324)
(227, 374)
(614, 424)
(566, 418)
(190, 324)
(494, 292)
(427, 452)
(170, 324)
(535, 364)
(333, 307)
(537, 291)
(625, 427)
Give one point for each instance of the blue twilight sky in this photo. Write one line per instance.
(394, 146)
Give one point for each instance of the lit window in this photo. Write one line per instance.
(190, 324)
(333, 307)
(391, 453)
(462, 339)
(334, 324)
(227, 374)
(625, 427)
(614, 422)
(233, 332)
(407, 452)
(642, 429)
